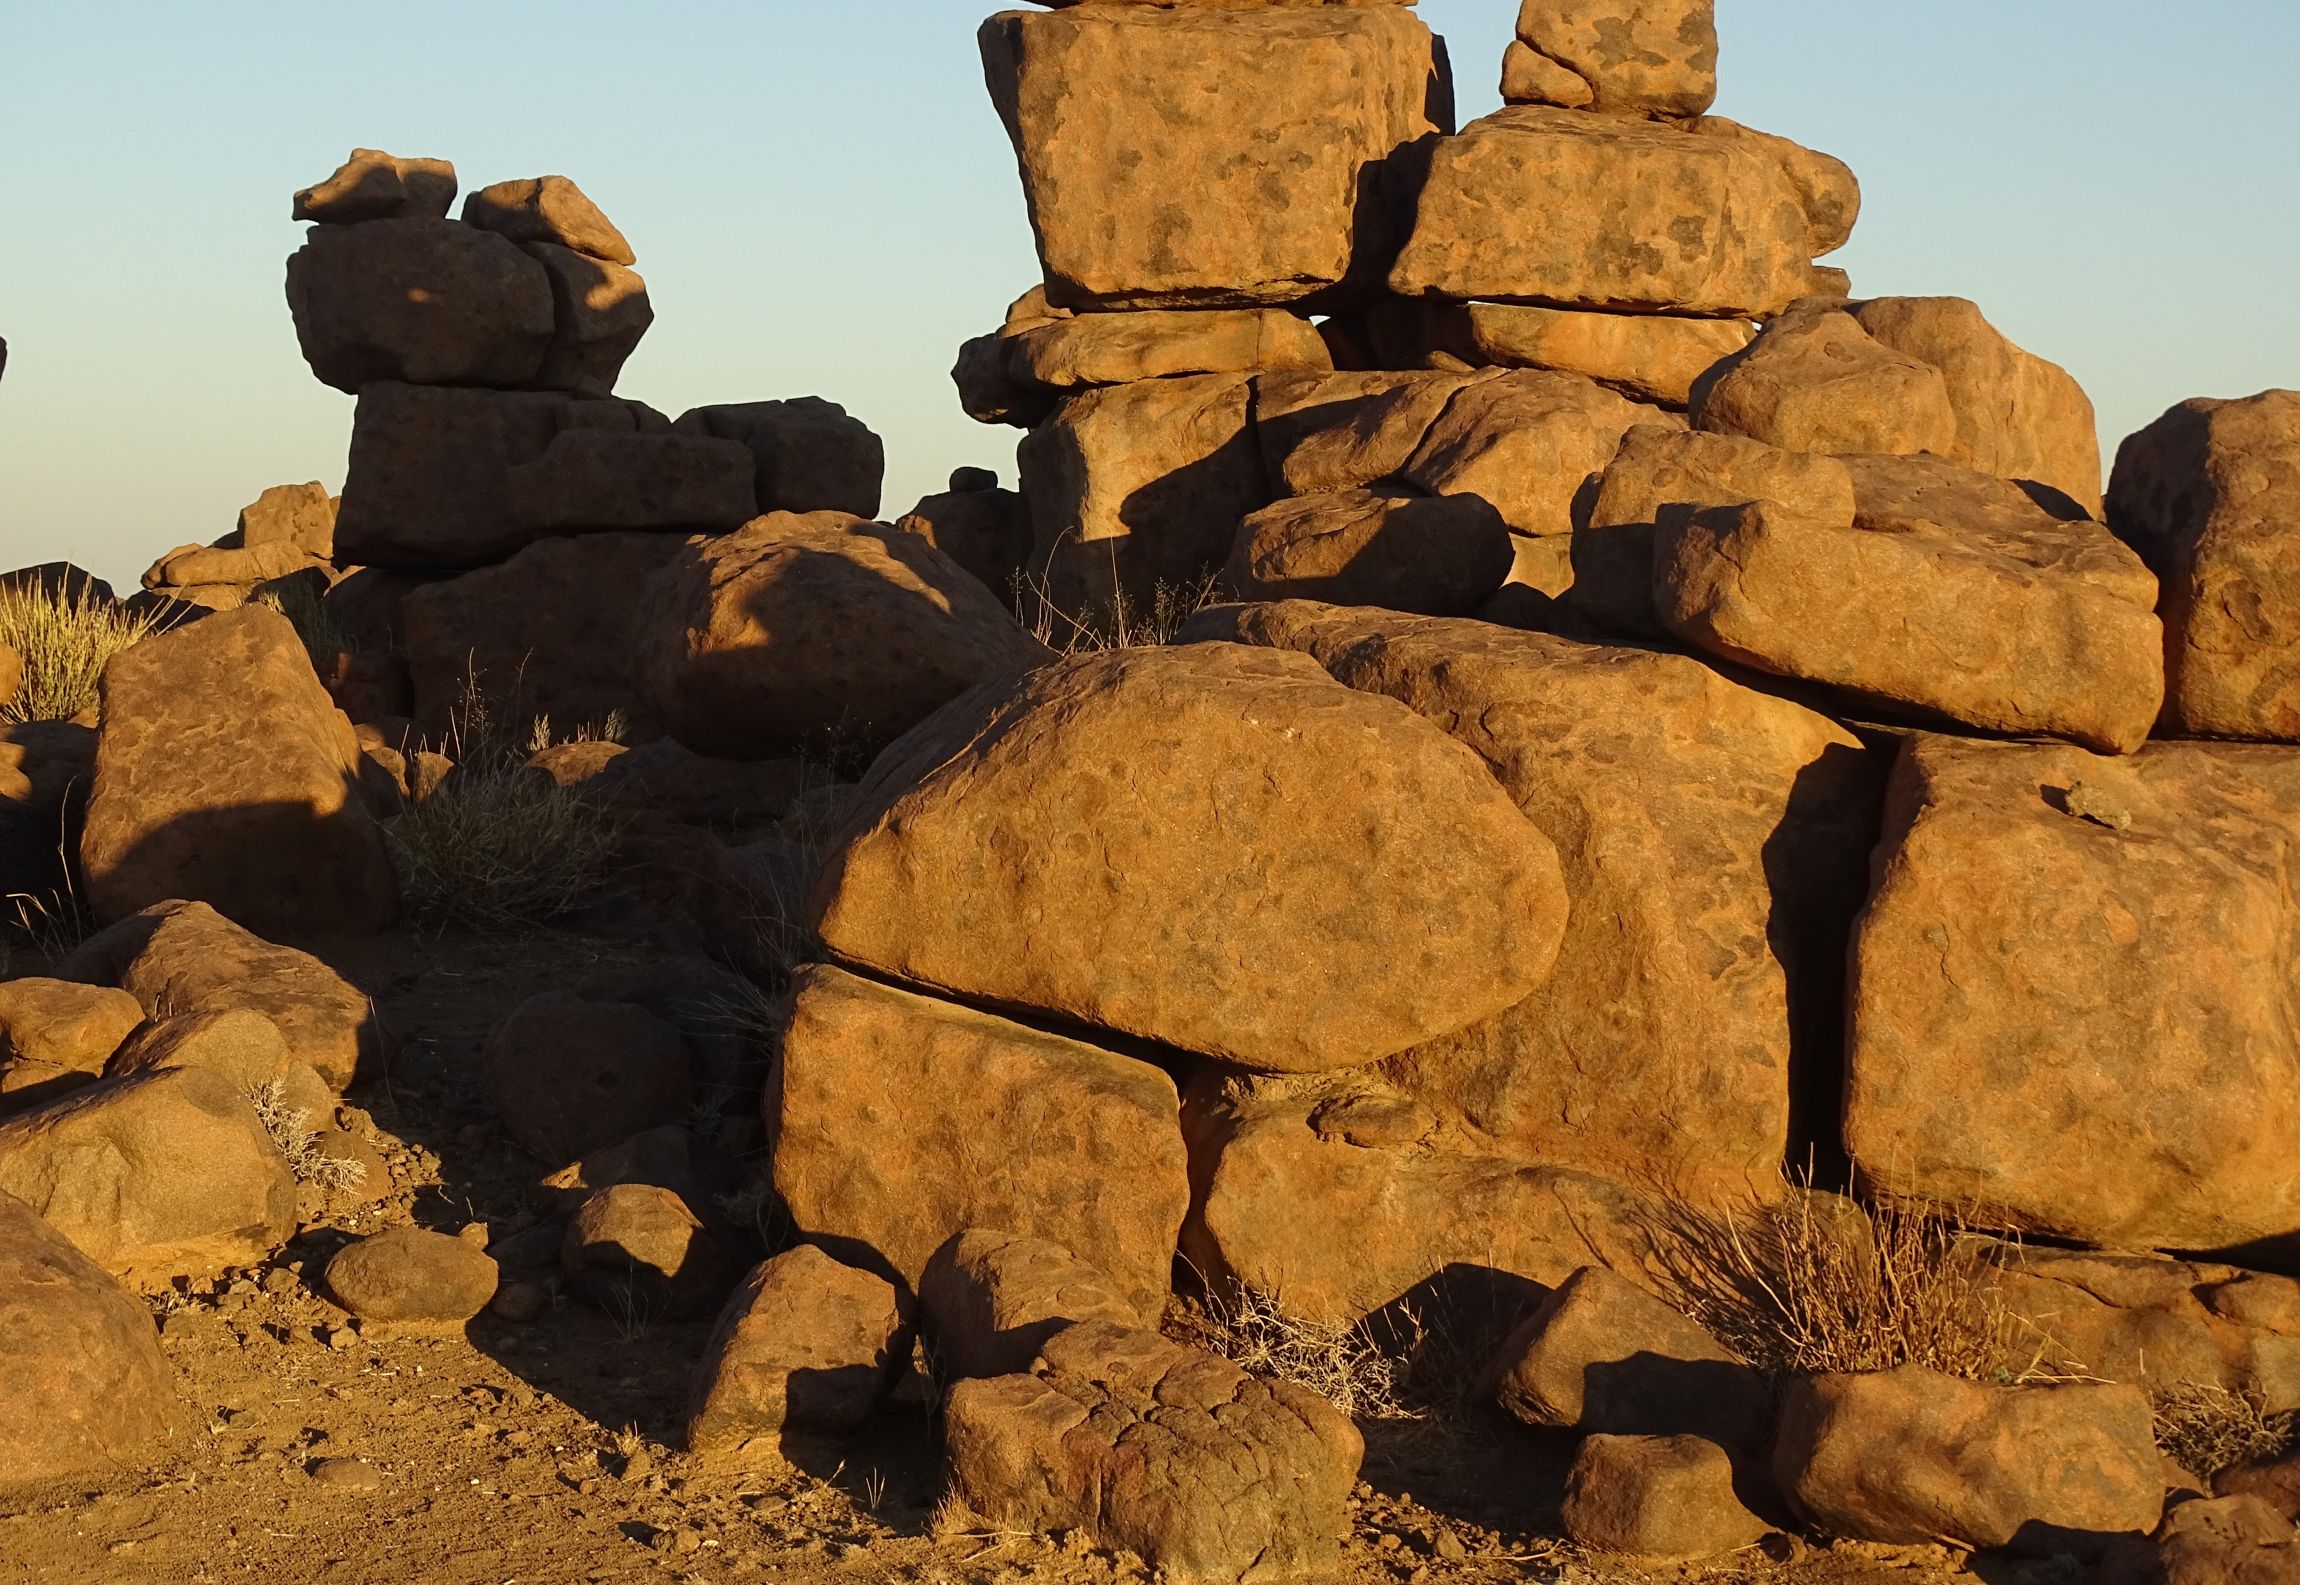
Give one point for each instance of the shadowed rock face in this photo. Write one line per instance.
(430, 301)
(226, 775)
(1186, 813)
(1204, 1472)
(1203, 158)
(84, 1389)
(805, 1344)
(2070, 960)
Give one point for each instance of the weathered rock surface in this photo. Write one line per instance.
(1945, 591)
(225, 775)
(2208, 495)
(1319, 433)
(642, 1253)
(84, 1389)
(56, 1036)
(1437, 555)
(1651, 357)
(1816, 381)
(1070, 350)
(245, 1047)
(1697, 951)
(154, 1177)
(569, 1074)
(1667, 1498)
(179, 959)
(373, 185)
(428, 301)
(549, 209)
(805, 1344)
(412, 1279)
(1654, 57)
(552, 632)
(1193, 158)
(797, 631)
(1605, 1356)
(589, 479)
(1662, 476)
(45, 767)
(1562, 208)
(2241, 1540)
(1136, 487)
(1529, 441)
(1210, 793)
(812, 455)
(896, 1122)
(991, 1300)
(1826, 186)
(2069, 960)
(984, 529)
(429, 483)
(600, 313)
(1205, 1473)
(1910, 1456)
(302, 515)
(1343, 1194)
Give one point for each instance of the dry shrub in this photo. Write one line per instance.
(64, 640)
(2208, 1429)
(1349, 1364)
(1824, 1283)
(497, 847)
(291, 1131)
(1121, 624)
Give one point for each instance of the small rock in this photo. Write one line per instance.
(1661, 1497)
(347, 1474)
(409, 1277)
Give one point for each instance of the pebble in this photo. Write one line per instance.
(347, 1474)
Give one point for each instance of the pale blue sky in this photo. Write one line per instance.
(823, 202)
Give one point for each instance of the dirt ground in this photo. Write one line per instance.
(546, 1453)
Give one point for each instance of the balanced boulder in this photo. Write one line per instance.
(1816, 381)
(430, 301)
(1651, 357)
(1207, 1474)
(226, 775)
(1186, 810)
(816, 632)
(805, 1345)
(1646, 57)
(548, 209)
(810, 454)
(643, 1254)
(84, 1390)
(373, 185)
(56, 1036)
(898, 1121)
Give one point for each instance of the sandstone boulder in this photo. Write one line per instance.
(605, 479)
(245, 1047)
(1341, 1195)
(225, 775)
(1815, 380)
(84, 1389)
(196, 567)
(154, 1177)
(2207, 494)
(2069, 960)
(986, 530)
(1240, 780)
(1529, 441)
(56, 1036)
(1654, 57)
(1711, 839)
(1569, 210)
(1605, 1356)
(600, 312)
(897, 1121)
(1069, 350)
(1437, 555)
(811, 454)
(1666, 1498)
(549, 209)
(1205, 1473)
(991, 1300)
(1662, 476)
(1195, 158)
(302, 515)
(805, 1345)
(1946, 591)
(569, 1074)
(179, 959)
(412, 1279)
(1323, 432)
(1910, 1456)
(1136, 490)
(1826, 185)
(643, 1254)
(429, 485)
(2238, 1540)
(815, 631)
(1650, 357)
(427, 301)
(373, 185)
(550, 633)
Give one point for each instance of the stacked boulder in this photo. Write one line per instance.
(286, 534)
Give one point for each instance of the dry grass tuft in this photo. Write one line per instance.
(497, 847)
(2208, 1429)
(1122, 624)
(296, 599)
(1823, 1283)
(290, 1129)
(64, 640)
(1363, 1374)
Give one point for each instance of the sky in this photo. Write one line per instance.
(823, 202)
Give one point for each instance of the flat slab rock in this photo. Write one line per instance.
(2070, 960)
(1204, 1472)
(1186, 810)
